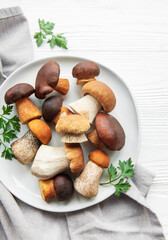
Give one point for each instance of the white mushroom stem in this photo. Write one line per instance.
(88, 181)
(49, 161)
(73, 138)
(87, 106)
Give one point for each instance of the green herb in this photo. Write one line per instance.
(46, 29)
(118, 176)
(58, 40)
(8, 127)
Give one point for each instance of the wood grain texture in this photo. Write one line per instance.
(130, 37)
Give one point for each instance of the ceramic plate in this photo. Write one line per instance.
(18, 179)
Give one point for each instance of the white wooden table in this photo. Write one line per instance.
(130, 37)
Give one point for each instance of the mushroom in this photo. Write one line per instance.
(48, 80)
(19, 94)
(108, 132)
(87, 182)
(52, 110)
(72, 127)
(51, 107)
(61, 187)
(50, 161)
(25, 148)
(85, 72)
(98, 95)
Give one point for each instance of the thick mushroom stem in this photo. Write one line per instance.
(88, 181)
(25, 148)
(87, 106)
(83, 81)
(62, 86)
(27, 110)
(94, 138)
(49, 161)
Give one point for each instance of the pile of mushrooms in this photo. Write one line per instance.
(49, 163)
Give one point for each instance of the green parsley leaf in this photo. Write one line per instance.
(7, 110)
(46, 27)
(58, 40)
(118, 179)
(127, 168)
(15, 123)
(7, 153)
(2, 122)
(10, 126)
(112, 171)
(121, 186)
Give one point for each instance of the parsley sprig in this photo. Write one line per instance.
(8, 129)
(119, 175)
(46, 29)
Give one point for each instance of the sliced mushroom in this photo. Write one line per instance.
(85, 72)
(87, 182)
(50, 161)
(19, 94)
(61, 187)
(98, 95)
(108, 133)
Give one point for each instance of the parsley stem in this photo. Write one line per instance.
(110, 182)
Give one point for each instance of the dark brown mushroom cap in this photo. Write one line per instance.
(110, 131)
(85, 70)
(47, 79)
(17, 92)
(63, 186)
(51, 107)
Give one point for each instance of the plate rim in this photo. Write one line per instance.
(136, 111)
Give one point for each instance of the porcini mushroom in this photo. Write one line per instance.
(50, 161)
(25, 148)
(108, 132)
(48, 80)
(51, 107)
(72, 127)
(61, 187)
(97, 95)
(87, 182)
(52, 110)
(25, 107)
(85, 72)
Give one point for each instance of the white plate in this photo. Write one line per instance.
(18, 179)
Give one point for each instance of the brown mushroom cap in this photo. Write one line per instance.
(17, 92)
(102, 93)
(63, 186)
(47, 79)
(85, 70)
(100, 158)
(110, 131)
(51, 107)
(74, 154)
(72, 124)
